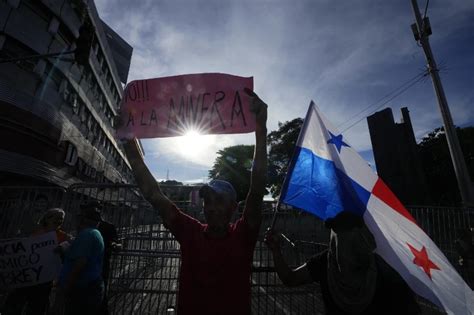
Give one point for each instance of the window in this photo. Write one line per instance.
(64, 89)
(99, 137)
(100, 59)
(71, 155)
(74, 103)
(101, 101)
(95, 47)
(83, 113)
(89, 121)
(104, 141)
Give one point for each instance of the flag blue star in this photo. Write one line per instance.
(337, 141)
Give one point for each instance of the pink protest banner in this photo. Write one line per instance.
(210, 103)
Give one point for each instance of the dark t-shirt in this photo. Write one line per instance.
(215, 273)
(392, 294)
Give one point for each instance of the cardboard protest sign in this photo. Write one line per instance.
(28, 261)
(210, 103)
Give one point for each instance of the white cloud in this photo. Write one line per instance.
(344, 55)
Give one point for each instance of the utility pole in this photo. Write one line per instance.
(421, 30)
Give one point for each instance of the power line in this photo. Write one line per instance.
(422, 78)
(388, 95)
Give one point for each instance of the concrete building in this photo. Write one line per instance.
(396, 156)
(56, 115)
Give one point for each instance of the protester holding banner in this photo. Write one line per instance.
(52, 220)
(35, 299)
(217, 256)
(353, 279)
(81, 276)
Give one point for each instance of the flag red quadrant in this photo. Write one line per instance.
(209, 103)
(384, 193)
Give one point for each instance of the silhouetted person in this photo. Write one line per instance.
(353, 279)
(81, 274)
(217, 256)
(111, 244)
(34, 300)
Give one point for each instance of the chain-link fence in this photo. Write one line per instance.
(144, 273)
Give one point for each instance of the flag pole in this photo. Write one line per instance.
(283, 186)
(275, 213)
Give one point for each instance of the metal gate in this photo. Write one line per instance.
(144, 274)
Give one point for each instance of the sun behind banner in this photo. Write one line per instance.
(208, 103)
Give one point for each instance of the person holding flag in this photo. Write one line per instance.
(353, 279)
(327, 177)
(217, 256)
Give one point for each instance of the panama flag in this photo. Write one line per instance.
(327, 176)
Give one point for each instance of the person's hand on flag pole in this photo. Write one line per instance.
(272, 240)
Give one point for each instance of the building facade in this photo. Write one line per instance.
(56, 115)
(396, 156)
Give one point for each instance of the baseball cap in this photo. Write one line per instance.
(220, 187)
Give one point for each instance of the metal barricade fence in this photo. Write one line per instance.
(444, 225)
(22, 207)
(144, 274)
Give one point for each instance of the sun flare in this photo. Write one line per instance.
(194, 143)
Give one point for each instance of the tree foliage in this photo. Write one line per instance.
(171, 182)
(234, 164)
(281, 144)
(438, 167)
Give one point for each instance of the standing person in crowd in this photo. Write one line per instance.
(353, 279)
(217, 256)
(111, 244)
(34, 300)
(464, 245)
(81, 276)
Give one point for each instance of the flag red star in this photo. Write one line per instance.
(421, 259)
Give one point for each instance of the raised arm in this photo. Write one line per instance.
(254, 202)
(148, 184)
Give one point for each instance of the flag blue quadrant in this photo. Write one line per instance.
(319, 187)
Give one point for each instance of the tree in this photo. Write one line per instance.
(234, 164)
(281, 146)
(171, 182)
(438, 167)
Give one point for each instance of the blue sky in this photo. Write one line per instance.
(344, 55)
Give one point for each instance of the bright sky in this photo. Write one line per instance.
(345, 55)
